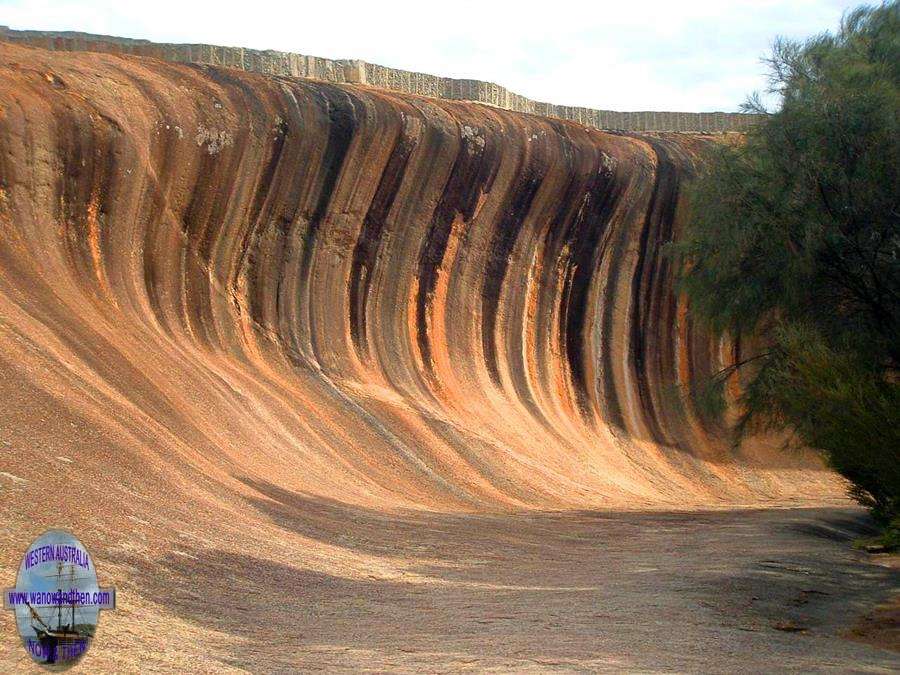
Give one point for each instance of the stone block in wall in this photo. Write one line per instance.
(355, 71)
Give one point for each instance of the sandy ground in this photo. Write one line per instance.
(732, 591)
(881, 626)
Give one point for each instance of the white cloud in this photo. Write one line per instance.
(661, 55)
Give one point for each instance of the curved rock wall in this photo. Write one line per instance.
(224, 278)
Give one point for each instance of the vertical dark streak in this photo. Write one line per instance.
(642, 320)
(365, 252)
(341, 127)
(514, 210)
(460, 196)
(585, 253)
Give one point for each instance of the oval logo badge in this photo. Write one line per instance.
(57, 600)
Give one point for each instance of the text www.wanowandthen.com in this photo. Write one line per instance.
(74, 596)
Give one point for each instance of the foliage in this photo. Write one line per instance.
(794, 240)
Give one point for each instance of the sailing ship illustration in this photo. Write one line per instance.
(65, 641)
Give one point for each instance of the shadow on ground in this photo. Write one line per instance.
(712, 591)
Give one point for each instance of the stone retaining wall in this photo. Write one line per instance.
(359, 72)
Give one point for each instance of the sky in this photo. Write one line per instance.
(685, 55)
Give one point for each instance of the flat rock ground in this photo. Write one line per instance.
(723, 591)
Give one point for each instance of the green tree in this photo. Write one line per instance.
(794, 246)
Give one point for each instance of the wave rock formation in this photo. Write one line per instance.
(221, 281)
